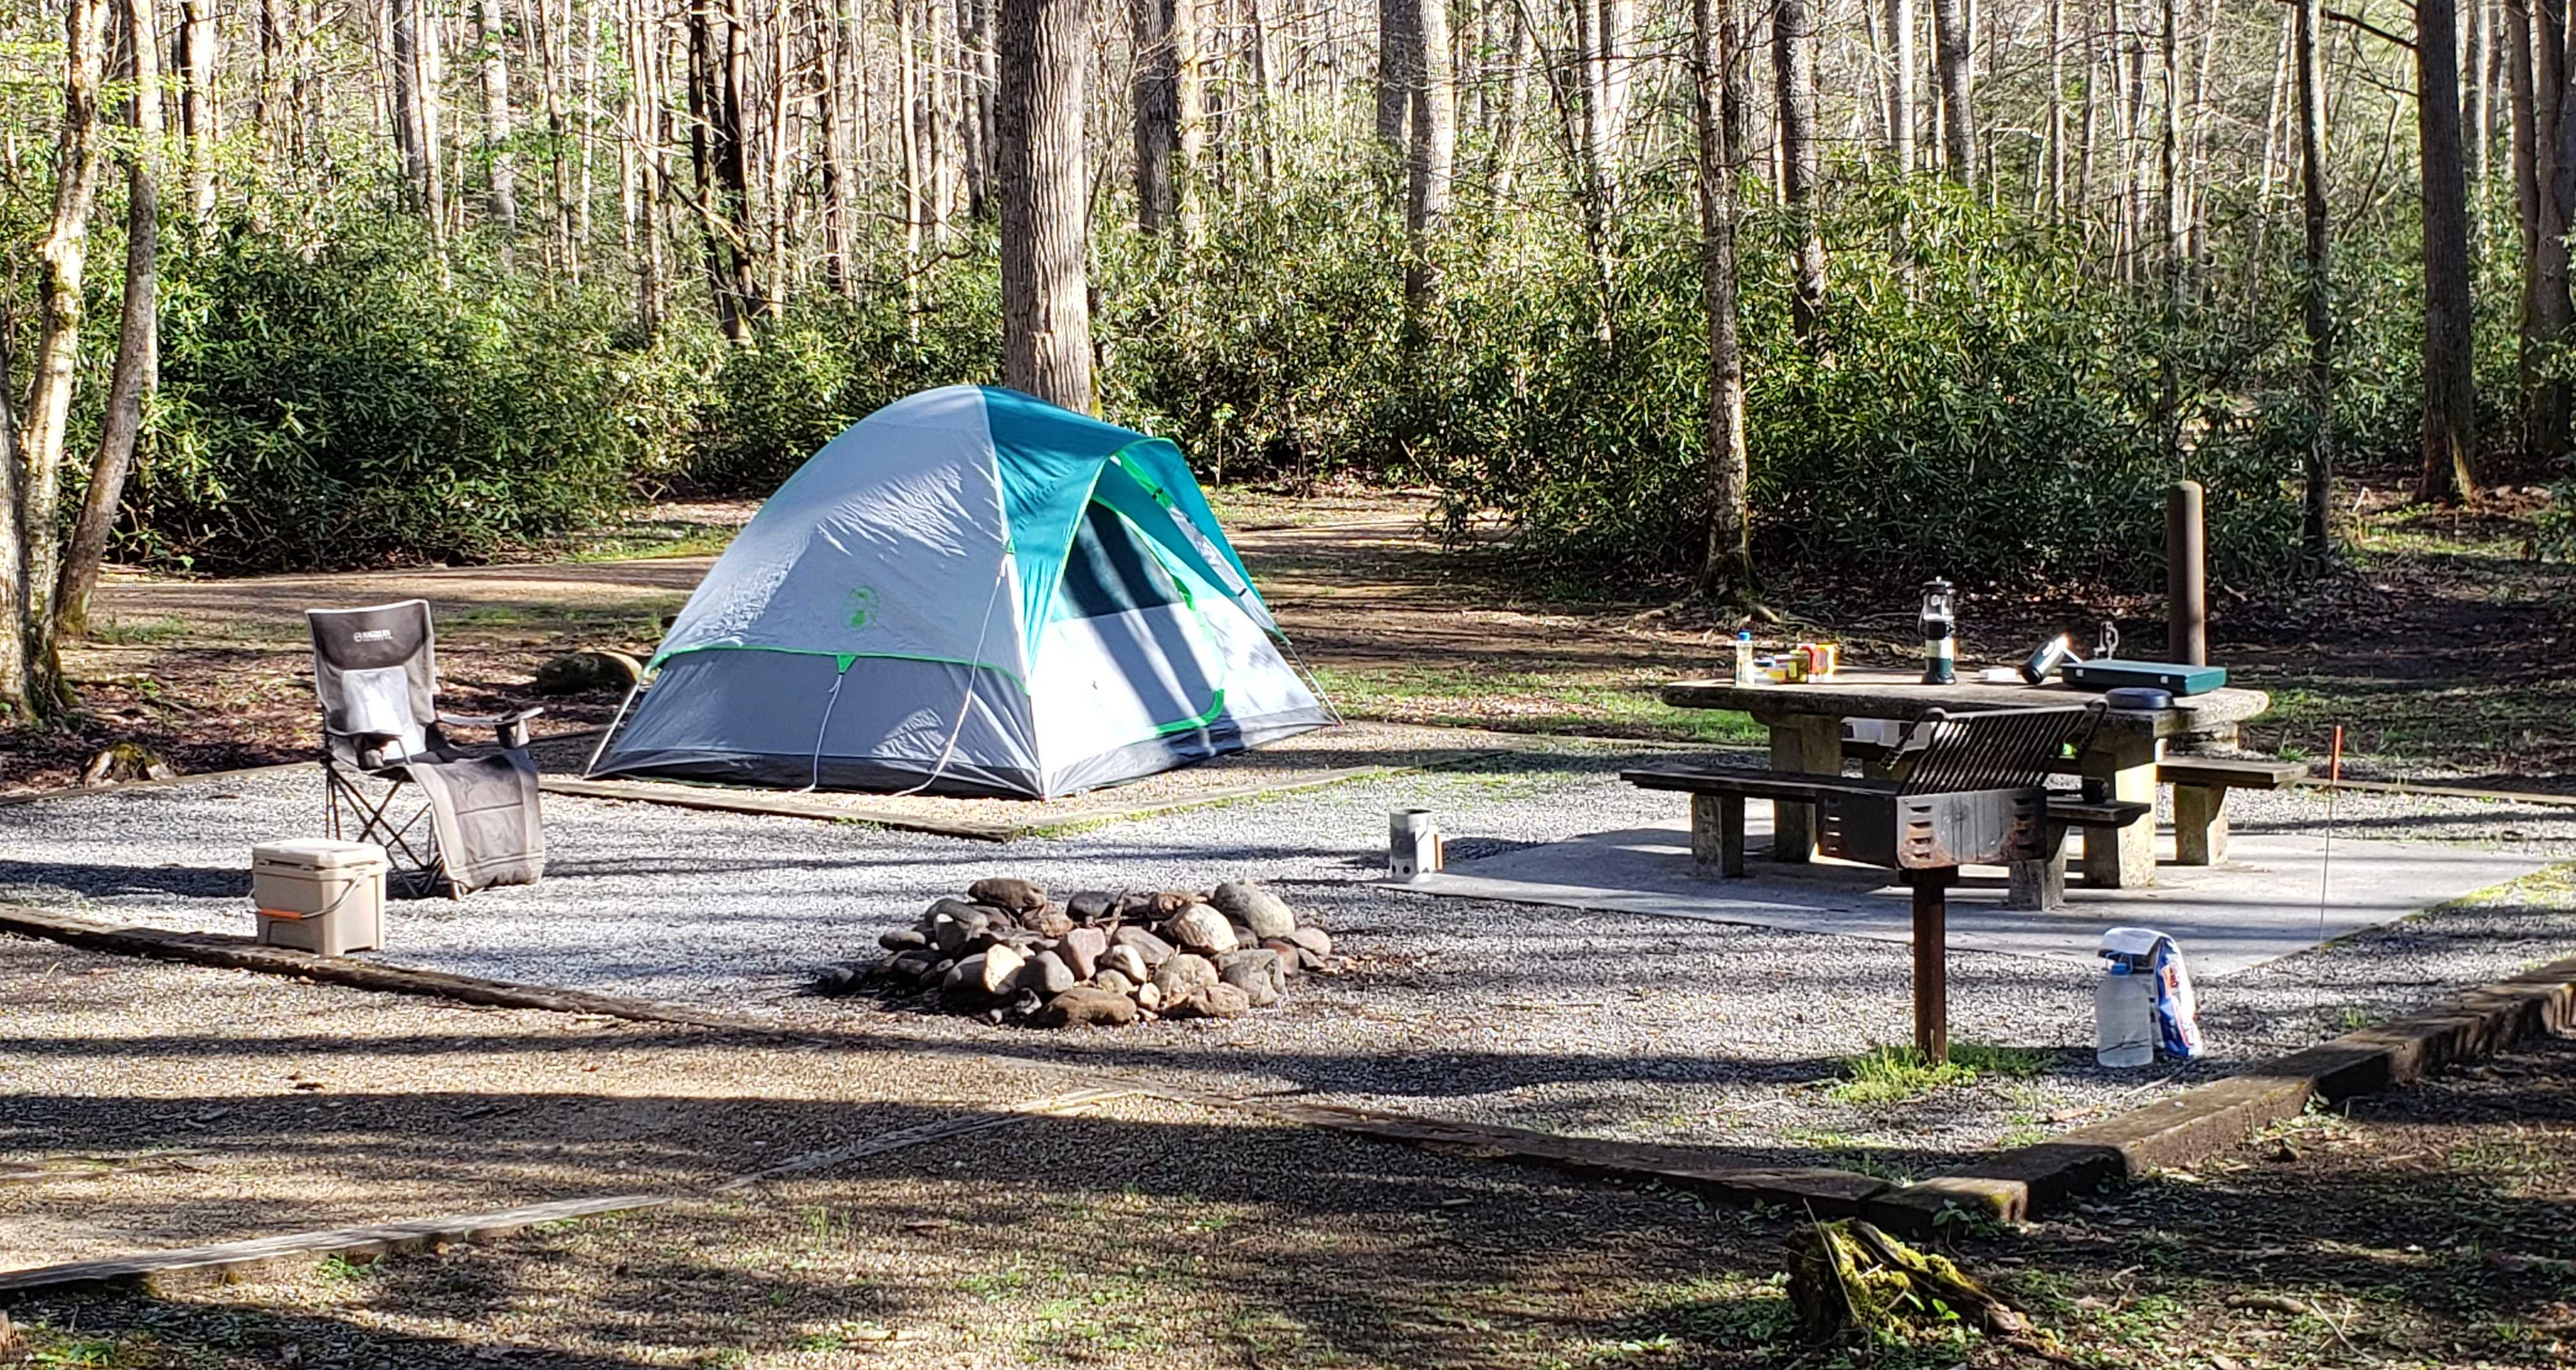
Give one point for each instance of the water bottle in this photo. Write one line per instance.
(2124, 1016)
(1746, 673)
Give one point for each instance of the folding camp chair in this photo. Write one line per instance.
(376, 670)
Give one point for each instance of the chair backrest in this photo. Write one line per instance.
(376, 670)
(1990, 749)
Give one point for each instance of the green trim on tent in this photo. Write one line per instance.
(1189, 725)
(843, 660)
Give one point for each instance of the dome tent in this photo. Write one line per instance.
(970, 592)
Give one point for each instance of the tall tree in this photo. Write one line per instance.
(1900, 84)
(2450, 390)
(1433, 155)
(198, 55)
(138, 335)
(415, 94)
(1046, 298)
(1794, 62)
(30, 540)
(492, 35)
(2317, 285)
(1726, 568)
(1154, 83)
(1398, 55)
(717, 57)
(1950, 51)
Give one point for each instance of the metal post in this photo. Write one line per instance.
(1931, 961)
(2186, 575)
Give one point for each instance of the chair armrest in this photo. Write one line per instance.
(510, 729)
(488, 720)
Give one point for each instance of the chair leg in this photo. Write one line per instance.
(1931, 961)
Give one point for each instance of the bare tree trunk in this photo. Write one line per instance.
(1434, 155)
(1950, 48)
(2450, 392)
(1507, 121)
(1156, 103)
(980, 78)
(1189, 113)
(716, 153)
(30, 677)
(2057, 108)
(198, 56)
(493, 34)
(1726, 568)
(1398, 52)
(2523, 123)
(833, 166)
(1900, 84)
(2480, 107)
(1046, 306)
(1794, 62)
(411, 115)
(138, 335)
(2317, 285)
(1613, 37)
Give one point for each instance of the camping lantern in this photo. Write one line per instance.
(1940, 623)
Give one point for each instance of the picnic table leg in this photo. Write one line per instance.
(1812, 746)
(2040, 885)
(2200, 824)
(1717, 831)
(2123, 857)
(1931, 961)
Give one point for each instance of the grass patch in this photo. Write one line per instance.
(1531, 702)
(1895, 1074)
(140, 632)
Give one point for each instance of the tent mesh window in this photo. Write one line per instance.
(1109, 571)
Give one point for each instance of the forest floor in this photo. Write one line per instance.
(2440, 645)
(2421, 1227)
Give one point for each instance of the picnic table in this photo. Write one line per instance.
(1806, 724)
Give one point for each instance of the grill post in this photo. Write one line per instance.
(1931, 960)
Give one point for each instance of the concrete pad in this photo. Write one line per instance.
(2260, 904)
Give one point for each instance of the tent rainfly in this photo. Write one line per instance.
(968, 592)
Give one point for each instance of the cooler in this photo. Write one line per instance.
(319, 895)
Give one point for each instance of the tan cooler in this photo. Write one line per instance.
(319, 895)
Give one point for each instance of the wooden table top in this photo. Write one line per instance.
(1901, 695)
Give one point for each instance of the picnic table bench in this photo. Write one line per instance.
(1966, 788)
(2122, 757)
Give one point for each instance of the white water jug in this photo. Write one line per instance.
(2124, 1015)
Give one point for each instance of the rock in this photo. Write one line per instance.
(1047, 974)
(1148, 998)
(1082, 950)
(1212, 1001)
(996, 917)
(835, 980)
(1080, 1007)
(1245, 939)
(1169, 902)
(1001, 966)
(1125, 961)
(964, 975)
(1153, 950)
(1182, 974)
(1047, 922)
(1291, 958)
(1248, 903)
(903, 939)
(952, 931)
(1025, 1003)
(1202, 929)
(1091, 906)
(913, 965)
(1257, 974)
(582, 672)
(951, 908)
(1114, 982)
(1315, 940)
(1005, 892)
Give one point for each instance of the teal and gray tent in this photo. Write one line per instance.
(972, 592)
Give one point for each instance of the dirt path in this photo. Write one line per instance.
(2440, 647)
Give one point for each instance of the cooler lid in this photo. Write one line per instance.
(317, 854)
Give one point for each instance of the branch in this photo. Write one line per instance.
(2368, 27)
